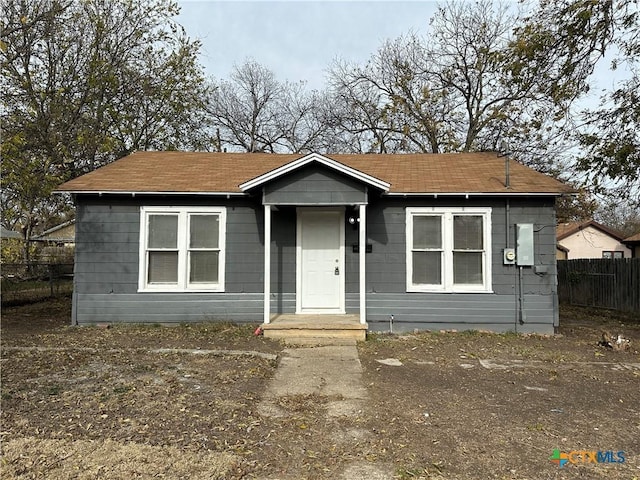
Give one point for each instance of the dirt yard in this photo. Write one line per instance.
(154, 402)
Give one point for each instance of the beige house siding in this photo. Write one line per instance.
(590, 243)
(66, 234)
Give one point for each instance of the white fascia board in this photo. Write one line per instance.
(134, 193)
(316, 204)
(315, 157)
(479, 194)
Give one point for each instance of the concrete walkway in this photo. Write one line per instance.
(335, 373)
(332, 371)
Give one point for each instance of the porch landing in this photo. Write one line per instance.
(307, 329)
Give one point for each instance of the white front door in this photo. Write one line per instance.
(320, 261)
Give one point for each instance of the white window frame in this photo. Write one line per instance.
(184, 214)
(447, 214)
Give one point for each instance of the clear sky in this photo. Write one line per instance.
(298, 39)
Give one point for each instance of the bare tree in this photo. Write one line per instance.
(303, 119)
(245, 108)
(389, 103)
(254, 112)
(452, 90)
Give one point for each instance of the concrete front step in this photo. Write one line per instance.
(299, 334)
(316, 329)
(317, 341)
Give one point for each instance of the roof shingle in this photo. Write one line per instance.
(564, 230)
(194, 172)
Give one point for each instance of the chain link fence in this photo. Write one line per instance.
(31, 282)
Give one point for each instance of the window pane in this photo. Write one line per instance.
(204, 231)
(467, 268)
(427, 232)
(163, 231)
(426, 268)
(163, 267)
(467, 232)
(203, 267)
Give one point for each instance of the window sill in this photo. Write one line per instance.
(455, 290)
(177, 290)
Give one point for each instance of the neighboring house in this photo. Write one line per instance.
(57, 243)
(633, 243)
(63, 235)
(173, 237)
(589, 239)
(6, 233)
(562, 253)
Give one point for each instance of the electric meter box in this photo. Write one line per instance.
(509, 256)
(524, 242)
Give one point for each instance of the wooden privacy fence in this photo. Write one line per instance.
(600, 282)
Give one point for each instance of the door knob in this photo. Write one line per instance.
(337, 271)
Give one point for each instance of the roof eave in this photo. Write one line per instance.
(474, 194)
(244, 194)
(143, 192)
(591, 223)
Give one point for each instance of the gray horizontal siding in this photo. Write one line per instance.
(386, 265)
(107, 268)
(283, 250)
(458, 311)
(107, 237)
(168, 308)
(177, 308)
(314, 185)
(244, 256)
(410, 311)
(384, 326)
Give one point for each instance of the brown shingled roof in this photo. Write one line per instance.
(633, 238)
(194, 172)
(564, 230)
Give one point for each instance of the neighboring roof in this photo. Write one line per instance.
(54, 234)
(564, 230)
(6, 233)
(223, 173)
(634, 239)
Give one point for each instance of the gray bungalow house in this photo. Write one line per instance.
(411, 241)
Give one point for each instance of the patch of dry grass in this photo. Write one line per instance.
(27, 458)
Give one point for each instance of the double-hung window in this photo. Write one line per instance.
(448, 249)
(182, 248)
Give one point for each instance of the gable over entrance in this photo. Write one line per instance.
(342, 177)
(314, 185)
